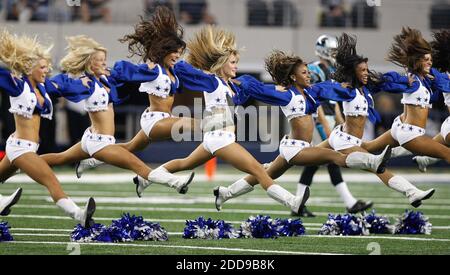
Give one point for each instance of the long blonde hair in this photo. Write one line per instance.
(22, 53)
(81, 49)
(210, 48)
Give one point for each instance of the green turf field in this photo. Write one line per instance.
(39, 227)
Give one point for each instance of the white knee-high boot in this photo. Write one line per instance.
(424, 161)
(367, 161)
(161, 176)
(87, 164)
(83, 216)
(414, 195)
(400, 152)
(237, 189)
(281, 195)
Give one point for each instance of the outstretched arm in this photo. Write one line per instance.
(10, 84)
(267, 93)
(194, 79)
(73, 89)
(125, 72)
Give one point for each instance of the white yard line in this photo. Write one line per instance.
(32, 194)
(308, 226)
(247, 200)
(308, 236)
(112, 178)
(381, 237)
(227, 249)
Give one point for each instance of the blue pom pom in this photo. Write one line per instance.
(208, 229)
(379, 224)
(129, 228)
(126, 229)
(5, 236)
(260, 227)
(94, 234)
(289, 227)
(413, 223)
(346, 225)
(330, 227)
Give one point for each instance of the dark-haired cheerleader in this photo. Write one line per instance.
(441, 58)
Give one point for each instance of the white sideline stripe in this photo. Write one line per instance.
(40, 235)
(41, 229)
(313, 236)
(179, 246)
(393, 198)
(68, 230)
(210, 199)
(127, 178)
(173, 194)
(380, 237)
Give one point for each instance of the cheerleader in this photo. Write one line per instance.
(441, 57)
(353, 69)
(298, 104)
(214, 50)
(412, 51)
(86, 57)
(25, 80)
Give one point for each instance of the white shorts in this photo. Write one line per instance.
(218, 139)
(92, 143)
(16, 147)
(404, 133)
(289, 148)
(339, 140)
(149, 119)
(445, 128)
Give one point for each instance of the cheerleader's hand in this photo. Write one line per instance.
(280, 88)
(235, 81)
(411, 79)
(85, 81)
(151, 65)
(346, 85)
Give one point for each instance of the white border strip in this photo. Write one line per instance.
(180, 247)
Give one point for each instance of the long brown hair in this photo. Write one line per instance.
(348, 59)
(156, 38)
(408, 48)
(282, 66)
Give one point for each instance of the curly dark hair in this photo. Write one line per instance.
(282, 66)
(408, 49)
(156, 38)
(347, 60)
(441, 50)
